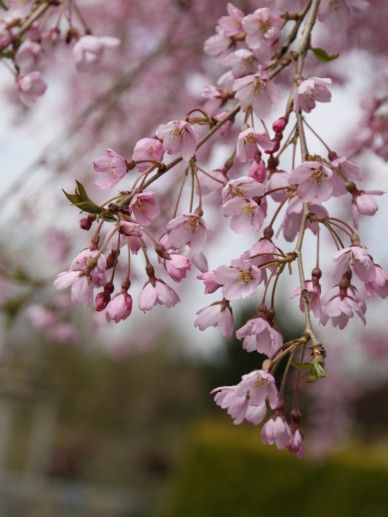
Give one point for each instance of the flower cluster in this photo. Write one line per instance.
(168, 239)
(29, 35)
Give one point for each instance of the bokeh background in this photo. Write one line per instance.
(118, 421)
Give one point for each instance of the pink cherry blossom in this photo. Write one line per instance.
(130, 235)
(157, 292)
(257, 171)
(378, 283)
(256, 91)
(364, 203)
(177, 266)
(119, 307)
(358, 259)
(217, 44)
(262, 28)
(112, 167)
(260, 336)
(187, 229)
(216, 315)
(31, 86)
(80, 284)
(89, 50)
(314, 180)
(231, 25)
(276, 431)
(310, 91)
(144, 207)
(178, 137)
(247, 400)
(262, 252)
(244, 187)
(293, 218)
(93, 263)
(248, 143)
(313, 291)
(241, 61)
(209, 280)
(296, 444)
(147, 149)
(239, 280)
(246, 214)
(340, 305)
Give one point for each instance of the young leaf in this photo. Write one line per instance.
(323, 56)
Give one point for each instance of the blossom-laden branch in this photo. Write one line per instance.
(27, 41)
(255, 50)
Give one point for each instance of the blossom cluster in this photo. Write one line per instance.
(169, 243)
(30, 33)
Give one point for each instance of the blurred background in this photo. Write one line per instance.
(117, 420)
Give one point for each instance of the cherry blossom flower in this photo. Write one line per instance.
(257, 171)
(260, 336)
(242, 62)
(295, 444)
(31, 86)
(364, 203)
(313, 291)
(293, 217)
(262, 28)
(89, 50)
(178, 137)
(147, 150)
(256, 91)
(157, 292)
(310, 91)
(144, 208)
(378, 284)
(80, 284)
(358, 259)
(239, 280)
(209, 280)
(247, 400)
(112, 167)
(216, 45)
(130, 235)
(231, 25)
(314, 180)
(187, 229)
(248, 143)
(246, 214)
(119, 307)
(276, 431)
(176, 266)
(340, 304)
(244, 187)
(219, 315)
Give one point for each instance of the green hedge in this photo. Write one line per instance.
(225, 472)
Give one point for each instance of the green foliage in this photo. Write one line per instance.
(81, 200)
(323, 56)
(226, 472)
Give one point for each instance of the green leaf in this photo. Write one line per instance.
(323, 56)
(81, 200)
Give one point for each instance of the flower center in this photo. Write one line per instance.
(248, 209)
(318, 175)
(258, 86)
(244, 276)
(264, 26)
